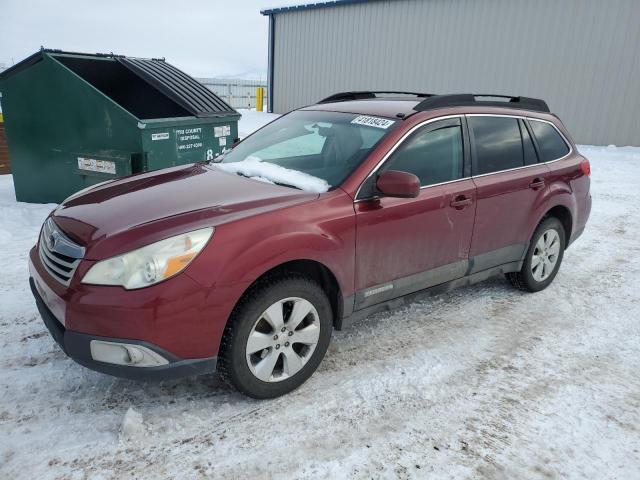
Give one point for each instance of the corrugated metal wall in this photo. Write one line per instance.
(582, 56)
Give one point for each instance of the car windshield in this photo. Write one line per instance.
(309, 150)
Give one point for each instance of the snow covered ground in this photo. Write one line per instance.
(482, 382)
(252, 120)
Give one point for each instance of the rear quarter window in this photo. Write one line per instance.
(551, 145)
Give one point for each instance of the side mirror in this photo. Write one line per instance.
(393, 183)
(236, 141)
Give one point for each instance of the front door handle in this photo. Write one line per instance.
(537, 184)
(461, 201)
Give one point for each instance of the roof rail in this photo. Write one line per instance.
(364, 95)
(468, 99)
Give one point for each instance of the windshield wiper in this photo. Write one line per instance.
(287, 185)
(275, 183)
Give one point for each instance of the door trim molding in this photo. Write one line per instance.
(500, 256)
(510, 255)
(398, 302)
(412, 283)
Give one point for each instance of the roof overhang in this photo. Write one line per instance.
(310, 6)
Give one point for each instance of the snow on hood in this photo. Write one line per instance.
(255, 168)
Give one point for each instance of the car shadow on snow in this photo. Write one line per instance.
(345, 349)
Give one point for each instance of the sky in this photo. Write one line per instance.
(214, 38)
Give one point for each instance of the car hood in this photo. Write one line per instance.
(131, 212)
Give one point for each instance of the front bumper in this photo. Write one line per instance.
(178, 315)
(76, 345)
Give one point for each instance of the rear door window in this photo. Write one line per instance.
(551, 145)
(498, 145)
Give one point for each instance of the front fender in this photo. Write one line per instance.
(240, 252)
(324, 248)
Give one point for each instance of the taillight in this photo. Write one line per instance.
(586, 167)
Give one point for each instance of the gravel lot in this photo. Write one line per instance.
(483, 382)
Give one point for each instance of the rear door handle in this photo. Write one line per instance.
(460, 202)
(537, 184)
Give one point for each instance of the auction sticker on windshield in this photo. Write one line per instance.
(373, 121)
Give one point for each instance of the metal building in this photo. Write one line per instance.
(581, 56)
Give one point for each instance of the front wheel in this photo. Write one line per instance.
(543, 257)
(276, 337)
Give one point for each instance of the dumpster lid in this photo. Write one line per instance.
(171, 82)
(21, 65)
(177, 85)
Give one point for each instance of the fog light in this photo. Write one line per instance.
(125, 354)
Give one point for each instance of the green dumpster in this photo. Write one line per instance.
(74, 119)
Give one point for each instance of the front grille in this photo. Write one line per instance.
(60, 256)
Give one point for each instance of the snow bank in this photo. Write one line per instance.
(19, 228)
(253, 167)
(14, 216)
(252, 120)
(610, 152)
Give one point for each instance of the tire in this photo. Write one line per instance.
(530, 278)
(251, 326)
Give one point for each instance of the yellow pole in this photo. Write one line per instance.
(259, 98)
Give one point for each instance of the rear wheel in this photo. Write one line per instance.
(543, 257)
(277, 336)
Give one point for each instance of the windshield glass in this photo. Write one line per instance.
(309, 150)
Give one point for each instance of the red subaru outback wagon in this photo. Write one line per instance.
(354, 205)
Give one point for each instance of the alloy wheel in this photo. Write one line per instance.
(283, 339)
(545, 255)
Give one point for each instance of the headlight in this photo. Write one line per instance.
(151, 264)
